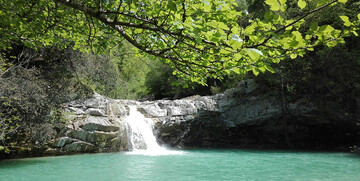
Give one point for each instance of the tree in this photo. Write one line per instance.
(199, 39)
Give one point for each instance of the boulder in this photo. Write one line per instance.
(95, 112)
(180, 111)
(154, 110)
(94, 123)
(61, 142)
(94, 137)
(79, 146)
(117, 110)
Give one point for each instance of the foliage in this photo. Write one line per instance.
(162, 84)
(199, 39)
(133, 68)
(119, 74)
(9, 121)
(35, 82)
(328, 74)
(32, 84)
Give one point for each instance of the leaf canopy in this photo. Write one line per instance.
(200, 39)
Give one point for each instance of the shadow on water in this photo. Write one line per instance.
(354, 155)
(266, 151)
(6, 164)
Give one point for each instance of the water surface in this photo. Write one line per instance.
(187, 165)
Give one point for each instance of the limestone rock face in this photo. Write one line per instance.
(95, 125)
(240, 117)
(247, 116)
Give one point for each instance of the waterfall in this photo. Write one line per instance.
(141, 136)
(140, 131)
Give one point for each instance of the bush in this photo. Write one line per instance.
(32, 84)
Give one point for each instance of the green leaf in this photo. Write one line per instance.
(256, 51)
(270, 69)
(321, 2)
(207, 6)
(274, 5)
(346, 20)
(179, 24)
(223, 26)
(250, 29)
(326, 29)
(236, 70)
(314, 26)
(213, 24)
(342, 1)
(214, 39)
(262, 69)
(255, 71)
(238, 56)
(236, 38)
(331, 44)
(1, 148)
(254, 54)
(224, 51)
(172, 5)
(301, 4)
(358, 16)
(293, 56)
(355, 33)
(235, 44)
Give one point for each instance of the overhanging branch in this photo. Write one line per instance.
(294, 22)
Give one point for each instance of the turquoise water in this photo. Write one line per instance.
(187, 165)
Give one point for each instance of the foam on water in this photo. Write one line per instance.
(162, 152)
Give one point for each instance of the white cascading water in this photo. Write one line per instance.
(141, 136)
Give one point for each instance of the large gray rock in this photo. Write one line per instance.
(117, 110)
(95, 112)
(61, 142)
(93, 123)
(79, 146)
(181, 111)
(154, 110)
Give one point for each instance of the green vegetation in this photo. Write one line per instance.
(199, 39)
(121, 73)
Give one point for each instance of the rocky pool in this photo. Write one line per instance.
(202, 164)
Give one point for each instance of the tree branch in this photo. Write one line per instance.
(297, 20)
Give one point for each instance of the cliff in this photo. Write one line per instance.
(243, 117)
